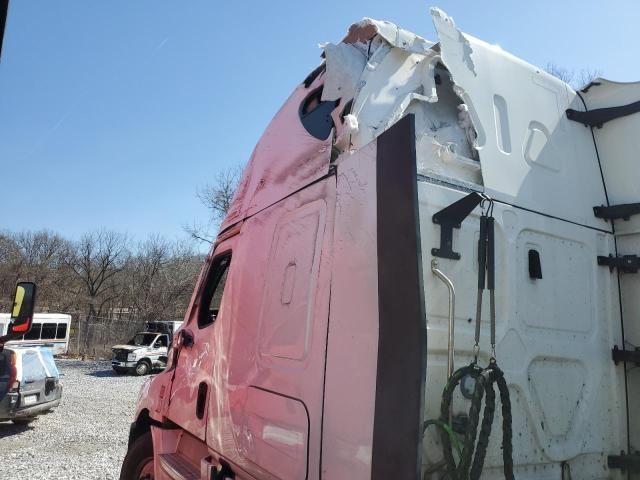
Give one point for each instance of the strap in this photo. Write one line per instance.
(491, 280)
(482, 272)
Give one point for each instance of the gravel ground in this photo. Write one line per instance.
(84, 438)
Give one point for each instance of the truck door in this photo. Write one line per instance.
(248, 385)
(200, 342)
(613, 114)
(265, 404)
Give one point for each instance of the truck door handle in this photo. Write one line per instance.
(201, 400)
(185, 339)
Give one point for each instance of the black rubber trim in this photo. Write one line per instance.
(315, 73)
(615, 252)
(402, 340)
(598, 117)
(595, 146)
(324, 385)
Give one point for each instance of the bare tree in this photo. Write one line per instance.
(177, 280)
(216, 198)
(575, 79)
(109, 285)
(141, 276)
(43, 254)
(96, 259)
(11, 265)
(35, 256)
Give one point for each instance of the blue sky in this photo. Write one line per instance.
(113, 112)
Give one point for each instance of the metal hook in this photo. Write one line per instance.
(486, 210)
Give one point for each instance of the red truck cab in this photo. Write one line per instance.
(259, 384)
(320, 341)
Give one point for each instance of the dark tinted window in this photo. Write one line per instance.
(48, 331)
(62, 331)
(315, 114)
(211, 296)
(142, 340)
(163, 341)
(34, 333)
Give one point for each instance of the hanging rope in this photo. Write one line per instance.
(474, 445)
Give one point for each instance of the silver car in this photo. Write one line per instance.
(29, 383)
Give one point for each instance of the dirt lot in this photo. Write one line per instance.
(84, 438)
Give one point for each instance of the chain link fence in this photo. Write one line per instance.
(94, 336)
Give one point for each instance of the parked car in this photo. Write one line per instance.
(29, 383)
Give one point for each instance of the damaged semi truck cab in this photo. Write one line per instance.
(342, 291)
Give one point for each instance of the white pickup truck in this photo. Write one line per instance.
(146, 351)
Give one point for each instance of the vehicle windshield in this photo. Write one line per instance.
(143, 339)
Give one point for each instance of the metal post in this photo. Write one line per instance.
(452, 308)
(79, 323)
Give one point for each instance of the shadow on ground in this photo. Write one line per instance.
(8, 429)
(108, 373)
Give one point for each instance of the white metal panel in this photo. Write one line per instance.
(554, 337)
(618, 143)
(531, 154)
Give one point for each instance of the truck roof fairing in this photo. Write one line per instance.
(488, 113)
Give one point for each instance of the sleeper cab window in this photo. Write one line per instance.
(315, 114)
(211, 296)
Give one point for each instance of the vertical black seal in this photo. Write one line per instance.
(401, 370)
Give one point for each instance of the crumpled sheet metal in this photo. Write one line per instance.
(524, 139)
(344, 66)
(367, 28)
(446, 27)
(383, 69)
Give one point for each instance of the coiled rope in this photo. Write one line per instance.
(474, 450)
